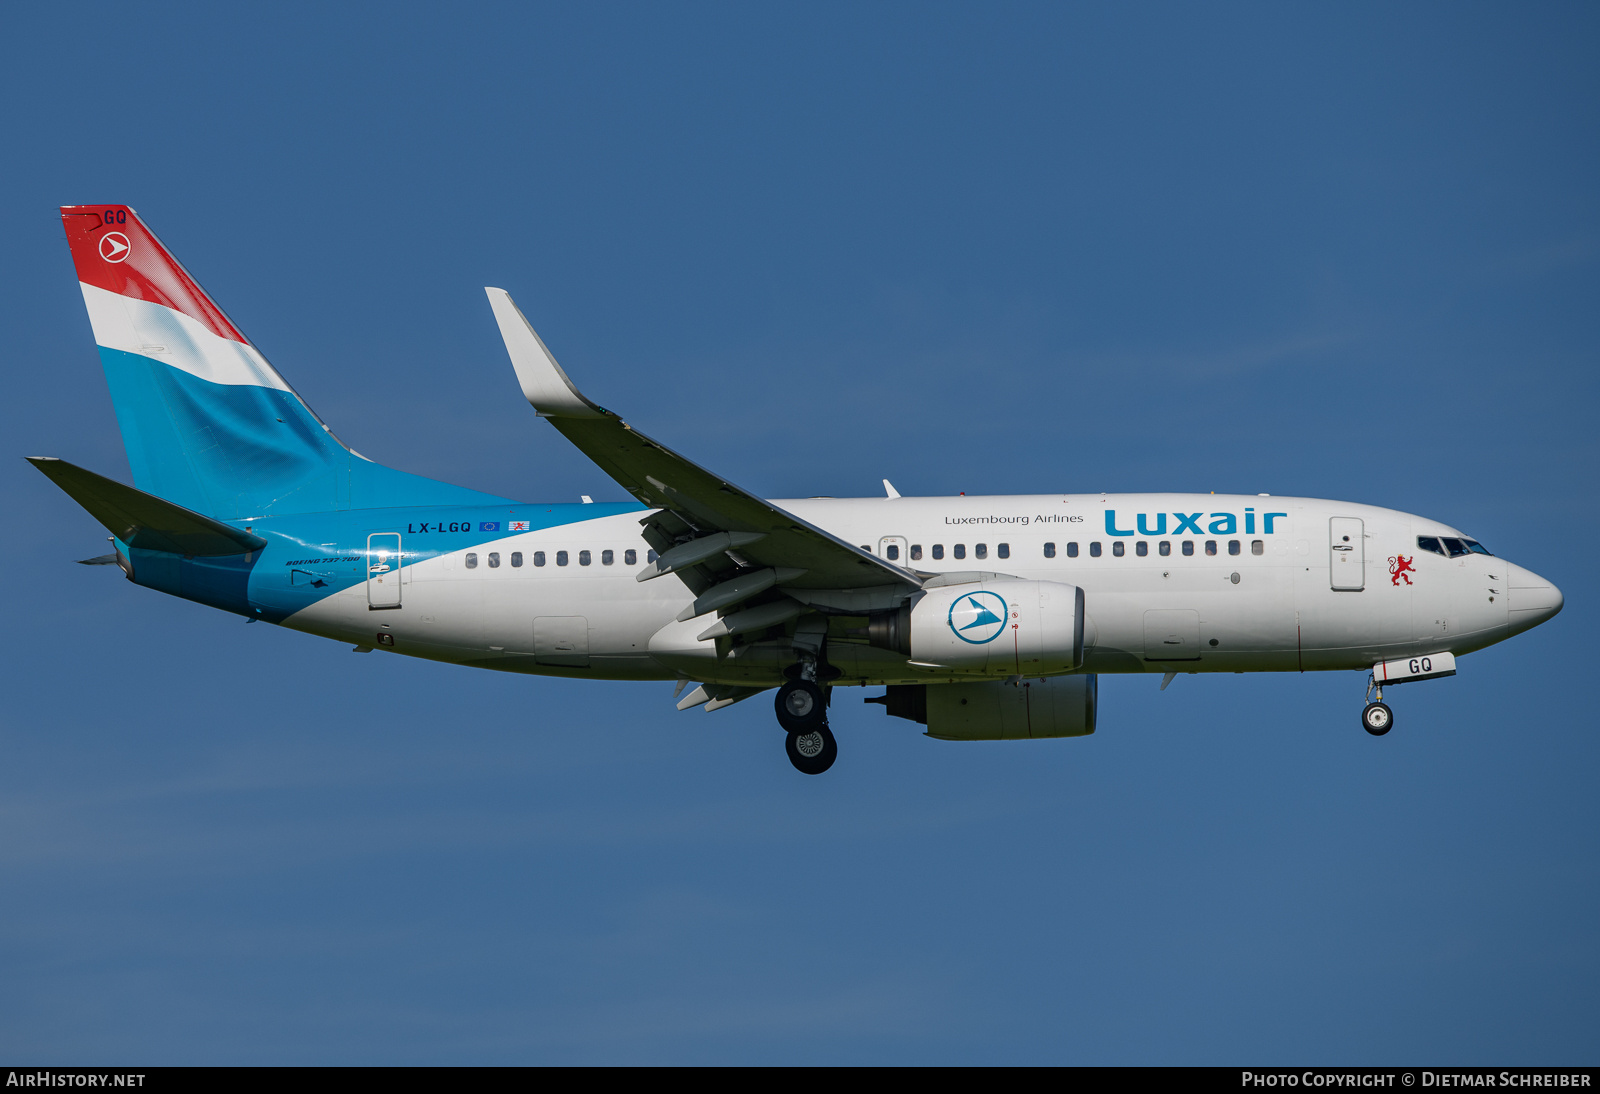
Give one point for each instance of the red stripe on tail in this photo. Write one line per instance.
(113, 250)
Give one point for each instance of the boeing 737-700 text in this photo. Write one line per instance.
(986, 618)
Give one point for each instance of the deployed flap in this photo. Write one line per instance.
(662, 479)
(143, 520)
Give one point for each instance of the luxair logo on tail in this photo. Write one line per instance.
(114, 247)
(978, 617)
(1198, 524)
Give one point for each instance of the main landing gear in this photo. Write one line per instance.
(802, 708)
(1376, 718)
(814, 752)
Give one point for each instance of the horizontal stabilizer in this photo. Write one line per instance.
(143, 520)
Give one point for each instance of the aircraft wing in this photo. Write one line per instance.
(695, 504)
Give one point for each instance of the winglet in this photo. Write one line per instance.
(543, 382)
(889, 491)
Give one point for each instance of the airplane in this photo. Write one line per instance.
(983, 618)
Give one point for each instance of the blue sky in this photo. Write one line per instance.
(1346, 253)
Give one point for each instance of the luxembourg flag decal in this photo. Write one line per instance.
(516, 526)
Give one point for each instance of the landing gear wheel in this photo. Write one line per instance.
(812, 751)
(801, 707)
(1377, 719)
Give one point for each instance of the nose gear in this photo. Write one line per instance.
(1376, 718)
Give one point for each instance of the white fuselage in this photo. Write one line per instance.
(1232, 583)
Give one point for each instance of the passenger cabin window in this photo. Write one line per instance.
(1141, 548)
(892, 552)
(916, 551)
(1003, 550)
(630, 557)
(1049, 550)
(583, 558)
(516, 558)
(1454, 546)
(938, 550)
(607, 557)
(1072, 550)
(538, 558)
(1165, 548)
(472, 561)
(981, 550)
(1188, 546)
(561, 558)
(960, 550)
(649, 556)
(1257, 547)
(1211, 546)
(1118, 548)
(1233, 546)
(1094, 549)
(494, 560)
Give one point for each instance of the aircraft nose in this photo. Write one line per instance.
(1530, 598)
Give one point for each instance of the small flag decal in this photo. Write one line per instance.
(489, 526)
(516, 526)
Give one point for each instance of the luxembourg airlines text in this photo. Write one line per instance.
(1022, 521)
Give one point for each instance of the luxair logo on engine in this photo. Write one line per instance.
(978, 617)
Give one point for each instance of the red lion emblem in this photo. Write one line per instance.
(1399, 567)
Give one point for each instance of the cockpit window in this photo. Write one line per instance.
(1454, 546)
(1477, 548)
(1430, 543)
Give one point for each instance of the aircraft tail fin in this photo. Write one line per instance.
(207, 422)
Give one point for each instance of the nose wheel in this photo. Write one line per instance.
(1376, 717)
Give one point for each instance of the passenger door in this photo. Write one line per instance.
(383, 570)
(1347, 554)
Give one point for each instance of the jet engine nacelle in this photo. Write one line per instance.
(999, 626)
(999, 710)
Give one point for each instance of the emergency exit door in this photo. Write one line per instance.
(383, 570)
(1347, 554)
